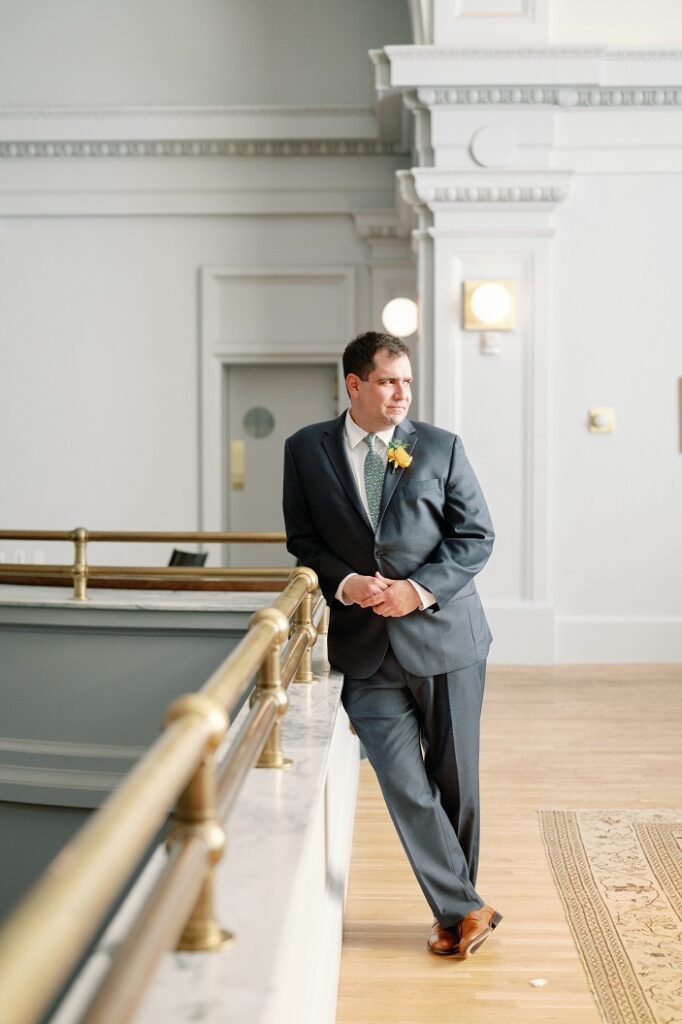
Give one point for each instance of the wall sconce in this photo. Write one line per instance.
(490, 307)
(602, 421)
(400, 317)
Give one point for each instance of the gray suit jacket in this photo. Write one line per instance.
(434, 527)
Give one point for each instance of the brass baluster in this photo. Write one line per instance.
(80, 564)
(304, 620)
(323, 633)
(269, 686)
(196, 815)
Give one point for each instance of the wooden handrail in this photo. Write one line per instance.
(145, 571)
(80, 571)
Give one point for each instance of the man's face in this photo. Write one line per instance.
(383, 399)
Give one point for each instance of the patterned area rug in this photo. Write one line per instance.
(619, 874)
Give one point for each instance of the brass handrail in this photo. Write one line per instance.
(49, 932)
(150, 537)
(168, 571)
(80, 571)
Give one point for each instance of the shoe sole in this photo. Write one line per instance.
(473, 946)
(476, 943)
(443, 952)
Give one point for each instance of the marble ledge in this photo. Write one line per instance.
(147, 600)
(269, 838)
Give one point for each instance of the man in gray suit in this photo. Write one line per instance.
(391, 517)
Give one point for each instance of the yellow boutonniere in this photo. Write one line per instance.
(398, 455)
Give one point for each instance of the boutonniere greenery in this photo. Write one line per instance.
(398, 455)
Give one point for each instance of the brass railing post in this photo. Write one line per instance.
(304, 618)
(80, 564)
(269, 684)
(196, 814)
(323, 632)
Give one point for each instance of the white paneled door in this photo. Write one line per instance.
(263, 405)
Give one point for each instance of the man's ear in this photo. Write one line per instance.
(352, 384)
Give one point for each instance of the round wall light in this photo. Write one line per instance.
(400, 317)
(489, 304)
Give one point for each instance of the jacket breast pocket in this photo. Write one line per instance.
(414, 487)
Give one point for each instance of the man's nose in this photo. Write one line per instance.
(401, 390)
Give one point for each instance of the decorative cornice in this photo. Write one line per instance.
(421, 53)
(132, 148)
(594, 97)
(383, 234)
(387, 236)
(379, 226)
(495, 194)
(427, 188)
(184, 111)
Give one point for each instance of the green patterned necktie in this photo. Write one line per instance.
(374, 479)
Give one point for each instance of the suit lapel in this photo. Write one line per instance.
(335, 447)
(403, 432)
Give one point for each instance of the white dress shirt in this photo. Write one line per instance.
(356, 450)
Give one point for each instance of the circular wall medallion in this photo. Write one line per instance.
(493, 146)
(258, 422)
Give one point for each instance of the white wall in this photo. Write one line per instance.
(99, 389)
(619, 23)
(628, 24)
(100, 260)
(577, 200)
(617, 498)
(178, 52)
(100, 256)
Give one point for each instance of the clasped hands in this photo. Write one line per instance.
(391, 598)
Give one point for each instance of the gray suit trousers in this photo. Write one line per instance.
(422, 739)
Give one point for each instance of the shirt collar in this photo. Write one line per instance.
(356, 434)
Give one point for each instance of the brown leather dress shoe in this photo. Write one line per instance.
(444, 941)
(474, 929)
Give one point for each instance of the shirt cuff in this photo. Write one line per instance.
(426, 598)
(339, 589)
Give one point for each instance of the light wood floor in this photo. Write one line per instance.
(570, 736)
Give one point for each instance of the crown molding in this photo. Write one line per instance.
(162, 148)
(78, 132)
(430, 67)
(192, 112)
(379, 225)
(587, 97)
(426, 187)
(386, 235)
(420, 53)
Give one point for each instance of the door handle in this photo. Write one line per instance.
(237, 466)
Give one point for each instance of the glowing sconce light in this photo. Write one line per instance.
(490, 307)
(400, 317)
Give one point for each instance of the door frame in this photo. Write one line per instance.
(226, 364)
(217, 349)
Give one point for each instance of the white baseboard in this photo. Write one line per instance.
(616, 638)
(526, 633)
(523, 633)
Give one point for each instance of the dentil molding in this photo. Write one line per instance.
(526, 53)
(135, 148)
(550, 95)
(379, 225)
(432, 188)
(132, 132)
(215, 111)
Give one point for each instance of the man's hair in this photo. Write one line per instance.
(358, 357)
